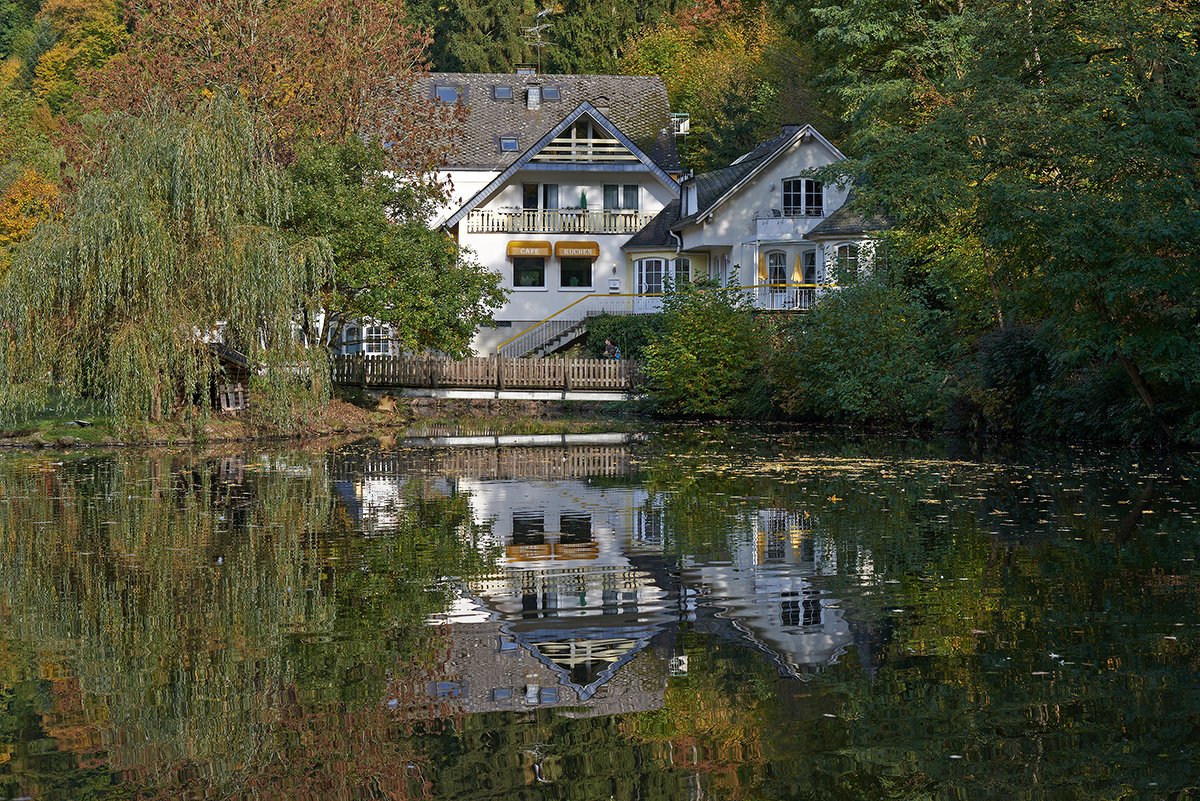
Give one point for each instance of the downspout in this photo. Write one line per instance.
(678, 239)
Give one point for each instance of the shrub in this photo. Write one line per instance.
(865, 352)
(631, 333)
(708, 357)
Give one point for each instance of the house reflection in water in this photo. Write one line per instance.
(582, 608)
(771, 593)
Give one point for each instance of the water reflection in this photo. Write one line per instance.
(791, 617)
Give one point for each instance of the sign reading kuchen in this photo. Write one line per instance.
(516, 248)
(587, 250)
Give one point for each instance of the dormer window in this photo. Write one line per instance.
(449, 94)
(551, 94)
(502, 92)
(508, 144)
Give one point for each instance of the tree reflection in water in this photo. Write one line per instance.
(793, 617)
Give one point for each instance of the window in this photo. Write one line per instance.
(551, 94)
(547, 194)
(528, 528)
(846, 263)
(612, 197)
(502, 92)
(777, 269)
(575, 271)
(529, 271)
(650, 276)
(575, 528)
(449, 94)
(809, 260)
(803, 197)
(508, 144)
(630, 194)
(349, 340)
(376, 340)
(680, 274)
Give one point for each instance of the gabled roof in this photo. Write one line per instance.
(657, 232)
(635, 104)
(714, 188)
(847, 221)
(549, 136)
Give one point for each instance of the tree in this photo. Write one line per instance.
(368, 57)
(175, 234)
(389, 267)
(1058, 137)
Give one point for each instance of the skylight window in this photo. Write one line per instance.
(551, 94)
(502, 92)
(449, 94)
(508, 143)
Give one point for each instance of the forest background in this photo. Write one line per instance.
(1038, 159)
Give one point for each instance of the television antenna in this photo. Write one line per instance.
(533, 34)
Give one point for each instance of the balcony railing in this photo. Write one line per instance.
(559, 221)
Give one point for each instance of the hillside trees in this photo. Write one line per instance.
(737, 73)
(175, 236)
(1058, 142)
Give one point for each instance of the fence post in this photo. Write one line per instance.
(361, 367)
(499, 372)
(567, 374)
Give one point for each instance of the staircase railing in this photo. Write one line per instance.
(767, 297)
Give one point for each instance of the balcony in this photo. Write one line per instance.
(557, 221)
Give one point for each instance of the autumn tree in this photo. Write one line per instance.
(327, 69)
(735, 71)
(175, 235)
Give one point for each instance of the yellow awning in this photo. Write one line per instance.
(587, 250)
(516, 248)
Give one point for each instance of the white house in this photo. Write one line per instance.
(554, 174)
(570, 188)
(761, 222)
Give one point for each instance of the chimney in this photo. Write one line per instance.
(533, 98)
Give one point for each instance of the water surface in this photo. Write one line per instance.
(748, 613)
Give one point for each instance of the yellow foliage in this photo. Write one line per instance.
(54, 70)
(25, 202)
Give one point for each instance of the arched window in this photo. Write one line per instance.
(777, 269)
(680, 274)
(650, 276)
(803, 197)
(846, 263)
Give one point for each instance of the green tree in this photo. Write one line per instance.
(388, 266)
(1058, 138)
(708, 358)
(174, 235)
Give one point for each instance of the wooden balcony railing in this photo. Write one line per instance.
(559, 221)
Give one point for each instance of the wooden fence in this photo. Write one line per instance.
(494, 372)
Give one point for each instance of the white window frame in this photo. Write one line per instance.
(642, 267)
(803, 197)
(375, 340)
(777, 269)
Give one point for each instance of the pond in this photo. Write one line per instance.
(710, 613)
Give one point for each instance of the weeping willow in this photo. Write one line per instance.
(173, 237)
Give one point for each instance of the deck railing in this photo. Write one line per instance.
(560, 221)
(443, 372)
(765, 297)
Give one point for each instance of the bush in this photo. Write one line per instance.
(630, 333)
(864, 352)
(708, 357)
